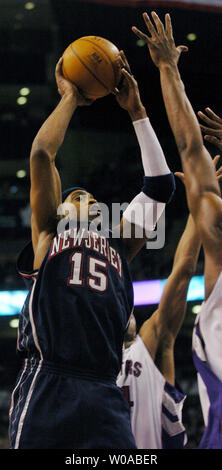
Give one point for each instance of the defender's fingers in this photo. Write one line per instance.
(168, 26)
(219, 177)
(208, 130)
(140, 34)
(149, 24)
(216, 160)
(219, 172)
(213, 115)
(212, 123)
(158, 23)
(213, 140)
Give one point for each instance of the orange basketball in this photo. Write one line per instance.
(89, 62)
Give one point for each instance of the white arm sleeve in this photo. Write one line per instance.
(153, 158)
(144, 212)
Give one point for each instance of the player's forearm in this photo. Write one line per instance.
(188, 248)
(172, 307)
(51, 135)
(158, 186)
(153, 158)
(181, 116)
(196, 161)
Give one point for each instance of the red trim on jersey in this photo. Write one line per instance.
(34, 274)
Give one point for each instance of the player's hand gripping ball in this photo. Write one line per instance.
(90, 63)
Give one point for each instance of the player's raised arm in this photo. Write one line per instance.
(160, 330)
(45, 193)
(203, 192)
(158, 186)
(183, 121)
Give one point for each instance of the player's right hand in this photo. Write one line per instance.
(128, 96)
(213, 130)
(66, 87)
(216, 159)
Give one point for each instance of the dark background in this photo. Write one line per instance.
(100, 150)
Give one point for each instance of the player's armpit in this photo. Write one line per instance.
(138, 221)
(133, 237)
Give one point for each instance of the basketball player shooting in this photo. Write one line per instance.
(72, 324)
(205, 204)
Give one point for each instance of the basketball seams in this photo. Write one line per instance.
(105, 53)
(88, 69)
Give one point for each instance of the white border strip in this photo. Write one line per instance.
(13, 393)
(22, 417)
(35, 337)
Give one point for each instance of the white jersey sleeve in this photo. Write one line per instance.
(155, 410)
(210, 324)
(207, 355)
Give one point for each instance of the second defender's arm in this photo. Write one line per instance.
(160, 330)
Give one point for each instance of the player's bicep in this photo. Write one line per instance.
(150, 334)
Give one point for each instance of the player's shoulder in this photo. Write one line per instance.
(24, 264)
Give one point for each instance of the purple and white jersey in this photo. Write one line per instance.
(207, 355)
(155, 405)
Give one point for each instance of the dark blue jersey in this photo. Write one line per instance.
(78, 304)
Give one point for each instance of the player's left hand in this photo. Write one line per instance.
(66, 87)
(128, 96)
(161, 43)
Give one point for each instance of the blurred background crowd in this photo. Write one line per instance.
(100, 151)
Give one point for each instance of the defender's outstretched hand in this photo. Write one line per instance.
(161, 43)
(213, 130)
(128, 96)
(65, 87)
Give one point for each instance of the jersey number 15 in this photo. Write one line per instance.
(95, 278)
